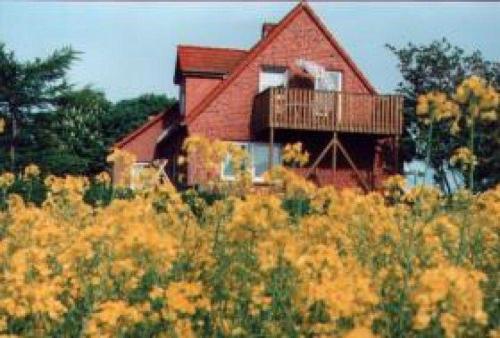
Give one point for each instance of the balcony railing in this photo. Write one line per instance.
(306, 109)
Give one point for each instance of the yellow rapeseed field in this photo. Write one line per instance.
(232, 261)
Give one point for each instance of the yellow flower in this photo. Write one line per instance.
(6, 179)
(31, 170)
(185, 297)
(394, 186)
(482, 98)
(103, 177)
(124, 161)
(435, 106)
(464, 157)
(295, 155)
(457, 290)
(360, 332)
(111, 318)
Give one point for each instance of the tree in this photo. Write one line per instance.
(127, 115)
(28, 86)
(75, 137)
(70, 139)
(440, 66)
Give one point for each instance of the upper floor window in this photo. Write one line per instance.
(272, 77)
(332, 81)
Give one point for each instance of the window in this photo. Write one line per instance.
(258, 153)
(272, 77)
(260, 159)
(227, 165)
(331, 82)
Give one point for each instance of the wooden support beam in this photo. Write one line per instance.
(334, 155)
(353, 166)
(396, 154)
(271, 147)
(320, 157)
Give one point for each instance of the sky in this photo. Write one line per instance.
(129, 48)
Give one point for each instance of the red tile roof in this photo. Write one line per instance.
(211, 60)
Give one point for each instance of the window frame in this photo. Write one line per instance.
(276, 70)
(276, 150)
(249, 146)
(341, 80)
(223, 176)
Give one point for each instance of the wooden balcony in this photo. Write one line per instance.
(306, 109)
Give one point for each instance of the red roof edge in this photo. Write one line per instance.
(212, 47)
(148, 124)
(263, 43)
(252, 53)
(340, 49)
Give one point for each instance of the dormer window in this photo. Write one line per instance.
(271, 76)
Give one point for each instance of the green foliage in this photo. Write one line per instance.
(127, 115)
(102, 194)
(440, 66)
(30, 86)
(70, 139)
(64, 130)
(297, 207)
(31, 189)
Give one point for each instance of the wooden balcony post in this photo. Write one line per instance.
(334, 154)
(271, 147)
(396, 154)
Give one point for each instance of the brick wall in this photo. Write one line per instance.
(228, 117)
(143, 146)
(196, 89)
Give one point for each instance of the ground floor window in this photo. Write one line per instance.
(258, 153)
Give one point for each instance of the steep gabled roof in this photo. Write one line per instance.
(263, 43)
(206, 60)
(158, 118)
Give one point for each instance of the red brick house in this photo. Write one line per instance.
(295, 84)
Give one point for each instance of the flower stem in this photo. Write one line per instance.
(429, 146)
(471, 145)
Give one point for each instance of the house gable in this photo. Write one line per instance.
(225, 111)
(142, 141)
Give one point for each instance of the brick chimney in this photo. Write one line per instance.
(267, 28)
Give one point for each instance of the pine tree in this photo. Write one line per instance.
(30, 86)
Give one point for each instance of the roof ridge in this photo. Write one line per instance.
(212, 47)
